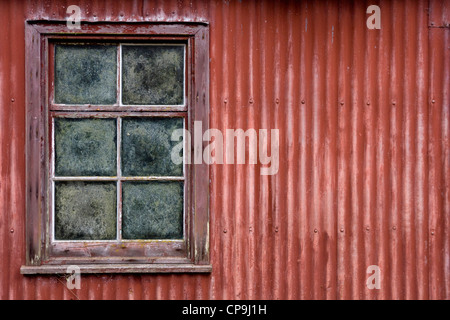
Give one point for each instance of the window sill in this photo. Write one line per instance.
(118, 268)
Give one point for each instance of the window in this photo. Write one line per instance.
(102, 190)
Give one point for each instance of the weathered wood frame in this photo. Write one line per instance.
(39, 259)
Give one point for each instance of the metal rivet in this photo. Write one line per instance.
(432, 232)
(394, 228)
(12, 230)
(342, 103)
(251, 100)
(315, 230)
(433, 101)
(342, 229)
(12, 100)
(393, 103)
(303, 101)
(276, 229)
(225, 101)
(367, 228)
(224, 230)
(277, 101)
(368, 103)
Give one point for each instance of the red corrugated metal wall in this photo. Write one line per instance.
(364, 151)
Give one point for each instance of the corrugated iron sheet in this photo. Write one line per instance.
(364, 151)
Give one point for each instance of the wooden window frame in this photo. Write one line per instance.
(152, 256)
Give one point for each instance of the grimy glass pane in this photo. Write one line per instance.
(152, 210)
(85, 147)
(153, 75)
(147, 147)
(85, 74)
(85, 210)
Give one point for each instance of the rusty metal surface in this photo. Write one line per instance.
(364, 173)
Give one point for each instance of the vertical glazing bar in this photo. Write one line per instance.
(119, 182)
(119, 74)
(119, 144)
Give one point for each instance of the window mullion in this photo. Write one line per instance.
(119, 144)
(119, 182)
(119, 74)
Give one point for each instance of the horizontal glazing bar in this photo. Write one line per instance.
(117, 108)
(150, 178)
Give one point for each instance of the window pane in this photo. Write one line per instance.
(85, 210)
(152, 210)
(85, 147)
(153, 75)
(85, 74)
(147, 147)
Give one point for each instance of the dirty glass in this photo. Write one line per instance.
(85, 210)
(153, 75)
(85, 147)
(85, 74)
(152, 210)
(147, 147)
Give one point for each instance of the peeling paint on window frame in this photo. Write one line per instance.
(45, 256)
